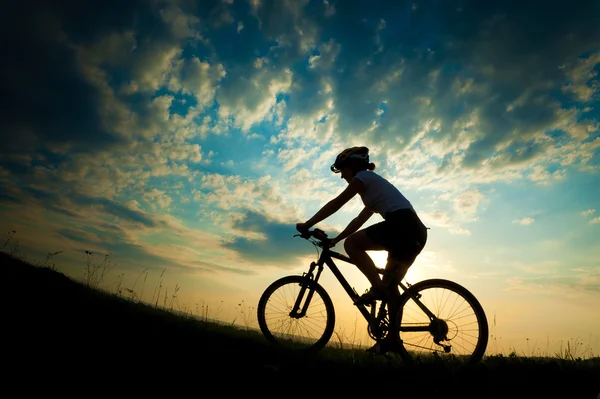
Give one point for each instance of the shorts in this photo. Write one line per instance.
(402, 234)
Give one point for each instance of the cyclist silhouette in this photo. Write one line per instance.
(401, 233)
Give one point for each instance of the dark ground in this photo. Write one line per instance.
(61, 337)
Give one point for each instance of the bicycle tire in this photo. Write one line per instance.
(288, 339)
(470, 356)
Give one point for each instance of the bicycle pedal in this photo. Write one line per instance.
(363, 302)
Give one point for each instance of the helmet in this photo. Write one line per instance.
(343, 157)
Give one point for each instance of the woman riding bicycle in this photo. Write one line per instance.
(401, 233)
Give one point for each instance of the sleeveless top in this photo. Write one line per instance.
(380, 195)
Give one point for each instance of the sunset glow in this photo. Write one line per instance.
(186, 140)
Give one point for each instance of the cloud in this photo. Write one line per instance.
(289, 24)
(181, 24)
(158, 197)
(195, 77)
(589, 212)
(232, 193)
(304, 185)
(581, 74)
(116, 243)
(133, 235)
(442, 219)
(292, 157)
(135, 112)
(45, 101)
(325, 59)
(542, 176)
(466, 203)
(116, 209)
(571, 286)
(506, 123)
(276, 245)
(152, 66)
(248, 100)
(524, 221)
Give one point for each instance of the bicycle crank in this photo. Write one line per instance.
(377, 332)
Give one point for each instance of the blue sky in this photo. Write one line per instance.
(193, 136)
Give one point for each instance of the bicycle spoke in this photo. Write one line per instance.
(457, 313)
(457, 322)
(453, 305)
(468, 335)
(310, 325)
(462, 317)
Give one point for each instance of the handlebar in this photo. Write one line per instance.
(316, 233)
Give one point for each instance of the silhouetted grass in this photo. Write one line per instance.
(61, 335)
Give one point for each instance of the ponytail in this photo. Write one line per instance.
(359, 164)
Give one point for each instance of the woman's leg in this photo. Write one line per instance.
(356, 246)
(396, 270)
(404, 255)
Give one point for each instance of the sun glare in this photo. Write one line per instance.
(380, 259)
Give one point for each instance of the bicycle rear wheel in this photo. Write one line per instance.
(297, 313)
(460, 326)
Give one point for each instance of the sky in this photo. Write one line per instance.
(186, 139)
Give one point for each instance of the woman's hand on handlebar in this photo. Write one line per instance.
(305, 232)
(333, 242)
(302, 227)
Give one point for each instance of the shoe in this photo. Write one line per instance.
(376, 349)
(384, 346)
(370, 297)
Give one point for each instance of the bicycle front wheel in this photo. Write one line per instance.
(459, 329)
(297, 313)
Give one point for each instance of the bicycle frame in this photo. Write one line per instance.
(403, 303)
(326, 258)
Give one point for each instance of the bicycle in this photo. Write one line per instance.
(419, 321)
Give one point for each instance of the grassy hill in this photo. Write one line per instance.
(60, 336)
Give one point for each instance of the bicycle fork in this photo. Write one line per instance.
(296, 312)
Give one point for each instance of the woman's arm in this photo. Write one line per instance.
(354, 225)
(335, 204)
